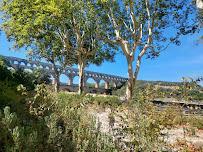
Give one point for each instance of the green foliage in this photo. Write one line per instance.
(195, 121)
(164, 89)
(10, 97)
(59, 123)
(4, 61)
(6, 74)
(106, 101)
(24, 77)
(42, 76)
(90, 85)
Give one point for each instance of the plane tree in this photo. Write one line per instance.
(55, 29)
(143, 28)
(79, 37)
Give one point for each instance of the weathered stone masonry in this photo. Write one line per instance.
(69, 72)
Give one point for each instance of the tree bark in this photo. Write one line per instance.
(130, 84)
(57, 77)
(57, 84)
(81, 66)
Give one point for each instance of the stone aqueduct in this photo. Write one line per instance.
(69, 72)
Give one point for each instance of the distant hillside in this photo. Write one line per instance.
(166, 89)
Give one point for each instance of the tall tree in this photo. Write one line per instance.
(139, 28)
(70, 23)
(79, 37)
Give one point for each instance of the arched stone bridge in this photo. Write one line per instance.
(69, 72)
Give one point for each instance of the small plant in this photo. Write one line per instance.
(111, 120)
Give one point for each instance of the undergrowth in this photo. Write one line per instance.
(53, 121)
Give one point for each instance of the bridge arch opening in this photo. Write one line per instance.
(11, 69)
(64, 79)
(28, 70)
(76, 80)
(112, 84)
(102, 84)
(22, 63)
(29, 65)
(41, 67)
(119, 84)
(91, 83)
(15, 62)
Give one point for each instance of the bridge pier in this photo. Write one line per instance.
(70, 79)
(115, 84)
(106, 85)
(97, 84)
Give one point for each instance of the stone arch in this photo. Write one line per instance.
(34, 65)
(64, 79)
(28, 64)
(76, 80)
(40, 66)
(103, 84)
(22, 63)
(11, 68)
(119, 83)
(15, 62)
(86, 74)
(90, 82)
(112, 84)
(29, 70)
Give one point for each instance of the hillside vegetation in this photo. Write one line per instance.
(164, 90)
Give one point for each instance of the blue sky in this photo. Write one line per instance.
(173, 63)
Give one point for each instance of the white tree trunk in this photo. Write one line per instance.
(199, 4)
(81, 66)
(130, 85)
(56, 77)
(57, 84)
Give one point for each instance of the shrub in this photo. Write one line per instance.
(59, 123)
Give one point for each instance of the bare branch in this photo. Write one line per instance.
(129, 29)
(147, 45)
(107, 40)
(134, 21)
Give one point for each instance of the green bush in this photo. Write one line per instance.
(59, 122)
(10, 97)
(6, 75)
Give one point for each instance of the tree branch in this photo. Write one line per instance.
(135, 24)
